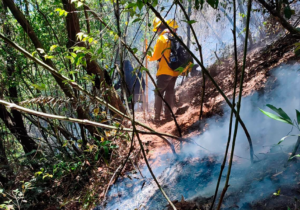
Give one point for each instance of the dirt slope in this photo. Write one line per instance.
(188, 96)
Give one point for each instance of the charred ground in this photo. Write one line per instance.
(260, 61)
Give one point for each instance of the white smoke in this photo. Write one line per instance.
(264, 131)
(194, 174)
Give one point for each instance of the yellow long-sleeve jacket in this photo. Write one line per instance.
(162, 47)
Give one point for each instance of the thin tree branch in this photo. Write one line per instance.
(74, 120)
(238, 106)
(233, 102)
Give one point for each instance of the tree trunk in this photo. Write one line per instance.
(17, 126)
(73, 28)
(27, 143)
(3, 163)
(3, 158)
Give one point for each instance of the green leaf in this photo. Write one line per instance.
(277, 193)
(199, 3)
(47, 175)
(136, 20)
(48, 57)
(62, 12)
(192, 65)
(298, 116)
(134, 50)
(190, 22)
(282, 139)
(281, 113)
(90, 40)
(154, 3)
(294, 156)
(144, 69)
(74, 55)
(38, 173)
(96, 156)
(140, 4)
(106, 150)
(79, 49)
(99, 51)
(297, 44)
(273, 116)
(180, 69)
(288, 12)
(130, 5)
(53, 47)
(129, 98)
(213, 3)
(39, 87)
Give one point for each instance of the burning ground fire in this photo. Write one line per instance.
(193, 174)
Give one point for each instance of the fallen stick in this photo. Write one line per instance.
(74, 120)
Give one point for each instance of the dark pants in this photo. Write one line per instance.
(165, 85)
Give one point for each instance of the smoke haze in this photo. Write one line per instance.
(196, 172)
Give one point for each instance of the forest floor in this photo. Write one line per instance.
(260, 60)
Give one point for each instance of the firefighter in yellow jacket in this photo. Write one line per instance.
(166, 77)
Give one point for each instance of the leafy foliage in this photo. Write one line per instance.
(283, 117)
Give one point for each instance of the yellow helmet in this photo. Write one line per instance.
(172, 23)
(156, 23)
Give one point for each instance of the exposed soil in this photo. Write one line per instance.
(188, 99)
(188, 96)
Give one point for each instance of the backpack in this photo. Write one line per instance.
(179, 57)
